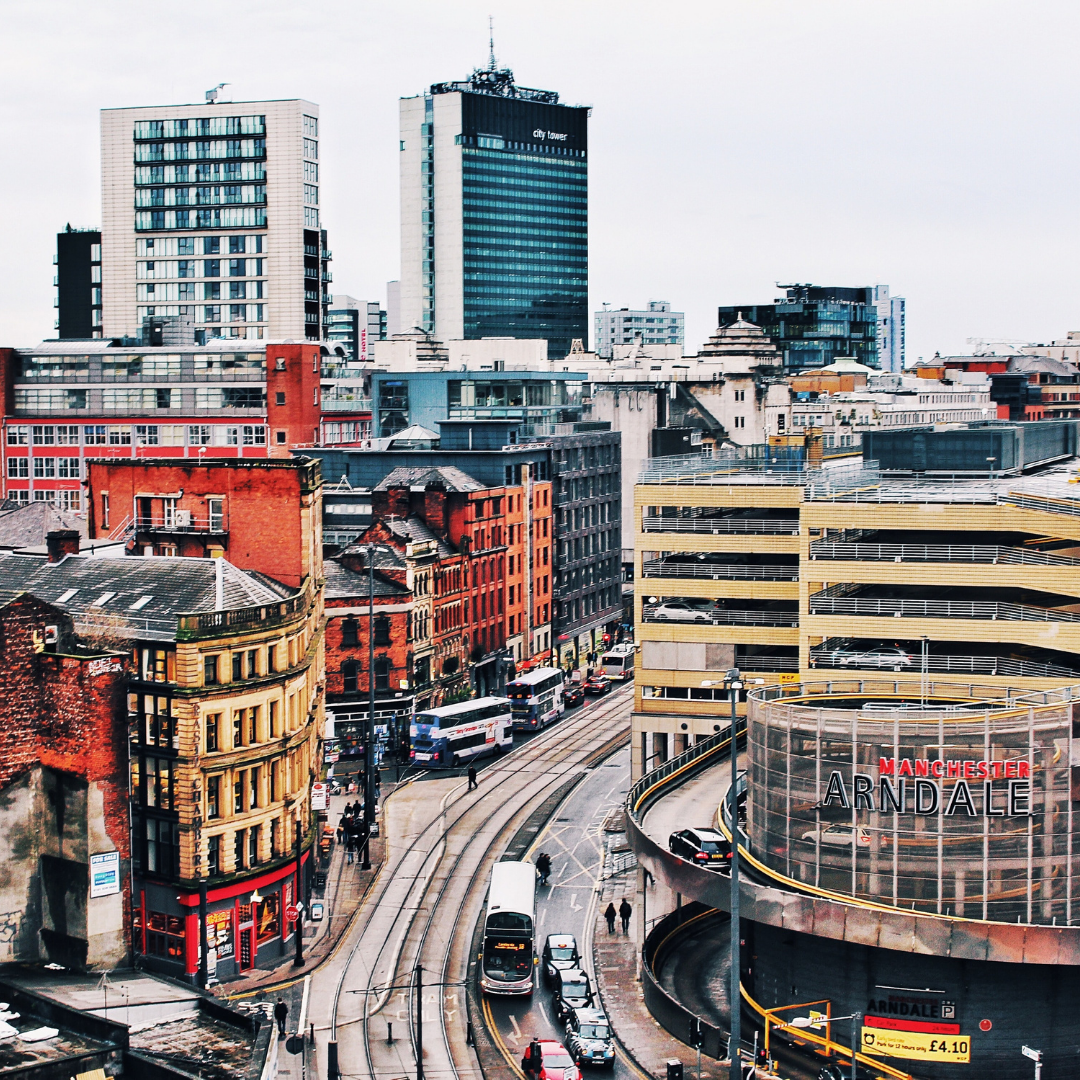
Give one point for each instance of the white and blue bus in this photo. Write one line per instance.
(508, 961)
(453, 734)
(618, 664)
(536, 699)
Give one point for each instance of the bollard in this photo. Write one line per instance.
(470, 1040)
(331, 1060)
(389, 1031)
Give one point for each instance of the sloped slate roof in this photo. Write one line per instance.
(418, 479)
(174, 586)
(29, 524)
(343, 583)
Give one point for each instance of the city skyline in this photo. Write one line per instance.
(940, 200)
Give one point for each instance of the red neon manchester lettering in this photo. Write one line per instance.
(886, 766)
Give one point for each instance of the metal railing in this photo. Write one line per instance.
(731, 618)
(968, 665)
(262, 615)
(938, 609)
(718, 525)
(766, 663)
(964, 553)
(181, 522)
(657, 568)
(1040, 502)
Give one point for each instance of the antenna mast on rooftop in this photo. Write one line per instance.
(491, 43)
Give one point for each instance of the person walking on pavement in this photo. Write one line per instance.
(350, 849)
(472, 778)
(281, 1011)
(610, 916)
(624, 914)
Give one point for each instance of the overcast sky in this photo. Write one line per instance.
(929, 146)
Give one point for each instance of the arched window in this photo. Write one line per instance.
(350, 671)
(382, 674)
(350, 630)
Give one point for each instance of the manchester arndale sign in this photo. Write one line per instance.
(948, 786)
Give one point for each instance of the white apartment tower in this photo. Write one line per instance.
(211, 212)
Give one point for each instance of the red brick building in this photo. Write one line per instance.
(260, 515)
(65, 895)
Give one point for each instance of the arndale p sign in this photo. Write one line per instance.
(946, 786)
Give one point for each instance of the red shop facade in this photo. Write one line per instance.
(246, 924)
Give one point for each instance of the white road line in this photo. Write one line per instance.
(514, 1025)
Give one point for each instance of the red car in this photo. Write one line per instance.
(556, 1062)
(573, 694)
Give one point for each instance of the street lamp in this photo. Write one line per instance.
(807, 1021)
(369, 737)
(733, 683)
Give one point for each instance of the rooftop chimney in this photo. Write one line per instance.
(62, 543)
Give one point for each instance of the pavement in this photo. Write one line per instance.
(346, 885)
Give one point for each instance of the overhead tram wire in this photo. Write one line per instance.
(582, 730)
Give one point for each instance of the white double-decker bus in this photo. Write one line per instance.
(508, 962)
(536, 699)
(452, 734)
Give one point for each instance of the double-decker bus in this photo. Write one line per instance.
(536, 699)
(508, 961)
(452, 734)
(618, 664)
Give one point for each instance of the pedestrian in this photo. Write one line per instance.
(532, 1062)
(543, 866)
(341, 830)
(281, 1011)
(472, 777)
(357, 810)
(624, 914)
(610, 916)
(350, 850)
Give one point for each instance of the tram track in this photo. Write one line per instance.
(443, 868)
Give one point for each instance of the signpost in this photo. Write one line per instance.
(291, 913)
(916, 1045)
(320, 796)
(1036, 1056)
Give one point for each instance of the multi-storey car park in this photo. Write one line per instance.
(905, 630)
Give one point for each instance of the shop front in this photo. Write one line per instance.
(246, 924)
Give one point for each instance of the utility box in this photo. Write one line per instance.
(674, 1069)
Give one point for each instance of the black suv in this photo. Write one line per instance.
(560, 953)
(572, 991)
(588, 1038)
(706, 847)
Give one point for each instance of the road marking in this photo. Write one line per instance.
(514, 1025)
(543, 912)
(574, 905)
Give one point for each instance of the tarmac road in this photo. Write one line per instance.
(567, 904)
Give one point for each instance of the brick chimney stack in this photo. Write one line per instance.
(62, 543)
(435, 510)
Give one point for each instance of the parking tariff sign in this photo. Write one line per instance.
(916, 1045)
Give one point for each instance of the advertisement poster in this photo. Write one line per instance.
(105, 874)
(219, 934)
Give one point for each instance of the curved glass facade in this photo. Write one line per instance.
(962, 806)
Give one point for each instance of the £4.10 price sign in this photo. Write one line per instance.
(916, 1045)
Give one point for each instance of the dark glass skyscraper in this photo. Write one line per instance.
(494, 204)
(812, 325)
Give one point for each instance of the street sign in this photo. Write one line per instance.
(916, 1045)
(320, 796)
(1035, 1055)
(291, 914)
